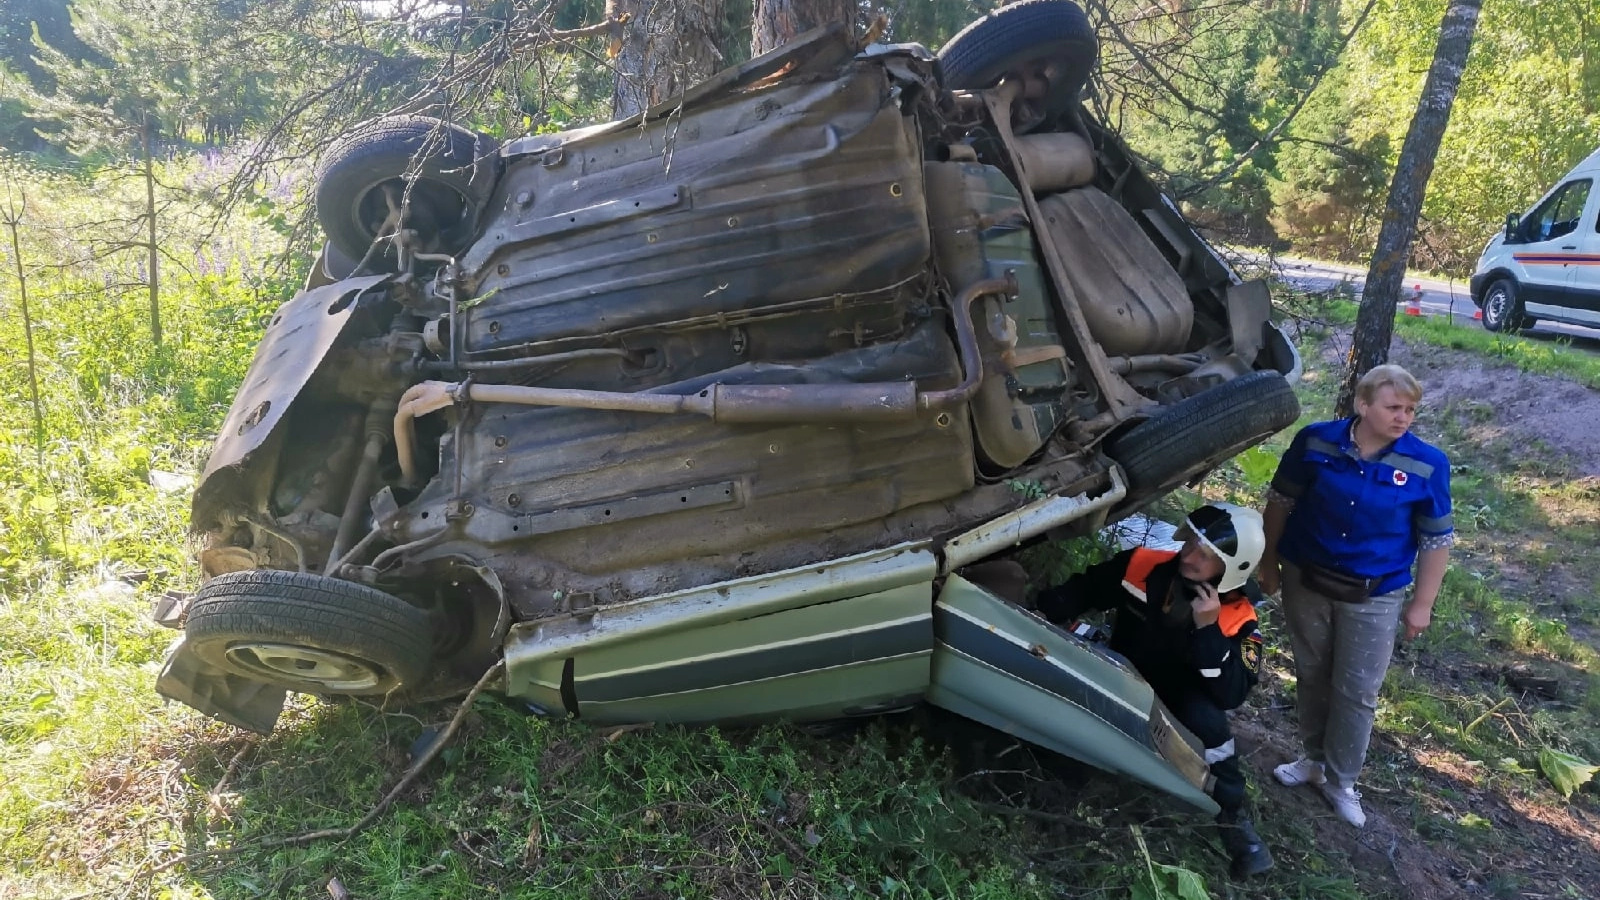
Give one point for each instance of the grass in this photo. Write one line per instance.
(1538, 355)
(530, 808)
(104, 786)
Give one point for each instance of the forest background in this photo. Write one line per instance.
(155, 162)
(1275, 121)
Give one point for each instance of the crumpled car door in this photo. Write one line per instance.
(1009, 669)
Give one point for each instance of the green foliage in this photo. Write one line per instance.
(1228, 74)
(1053, 562)
(1165, 882)
(102, 779)
(1567, 772)
(1525, 113)
(1030, 490)
(21, 23)
(1329, 183)
(117, 95)
(1257, 465)
(539, 809)
(122, 416)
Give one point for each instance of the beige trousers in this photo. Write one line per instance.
(1341, 653)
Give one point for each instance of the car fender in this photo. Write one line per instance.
(297, 339)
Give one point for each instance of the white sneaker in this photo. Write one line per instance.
(1301, 771)
(1346, 802)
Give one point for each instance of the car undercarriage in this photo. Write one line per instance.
(697, 416)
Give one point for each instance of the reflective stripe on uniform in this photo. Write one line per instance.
(1143, 561)
(1435, 525)
(1408, 464)
(1235, 615)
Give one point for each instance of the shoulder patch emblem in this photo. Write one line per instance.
(1250, 652)
(1400, 478)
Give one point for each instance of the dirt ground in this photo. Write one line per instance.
(1562, 416)
(1543, 850)
(1559, 417)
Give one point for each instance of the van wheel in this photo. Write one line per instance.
(1502, 310)
(1200, 433)
(442, 172)
(309, 633)
(1047, 39)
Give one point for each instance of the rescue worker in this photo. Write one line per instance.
(1183, 619)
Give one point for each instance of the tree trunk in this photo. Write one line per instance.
(667, 47)
(13, 220)
(777, 22)
(150, 219)
(1386, 275)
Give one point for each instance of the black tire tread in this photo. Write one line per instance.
(978, 55)
(1204, 429)
(311, 610)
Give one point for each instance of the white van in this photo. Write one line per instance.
(1546, 264)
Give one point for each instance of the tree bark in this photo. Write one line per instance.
(777, 22)
(667, 47)
(1386, 275)
(150, 219)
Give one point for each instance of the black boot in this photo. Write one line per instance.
(1248, 852)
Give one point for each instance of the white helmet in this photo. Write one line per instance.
(1234, 533)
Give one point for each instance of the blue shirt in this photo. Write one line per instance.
(1358, 516)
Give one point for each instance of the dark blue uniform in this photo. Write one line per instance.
(1362, 517)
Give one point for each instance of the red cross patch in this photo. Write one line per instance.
(1400, 478)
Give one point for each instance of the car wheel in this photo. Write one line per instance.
(309, 633)
(446, 168)
(1201, 432)
(1048, 38)
(1502, 310)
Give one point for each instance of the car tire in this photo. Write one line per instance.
(309, 633)
(1028, 33)
(449, 170)
(1199, 433)
(1502, 308)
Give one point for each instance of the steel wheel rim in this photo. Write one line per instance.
(1495, 309)
(427, 198)
(306, 665)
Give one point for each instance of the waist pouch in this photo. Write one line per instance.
(1336, 585)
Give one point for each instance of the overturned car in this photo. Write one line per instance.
(701, 415)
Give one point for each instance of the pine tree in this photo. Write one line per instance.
(667, 47)
(777, 22)
(121, 99)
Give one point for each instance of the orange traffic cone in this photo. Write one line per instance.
(1414, 306)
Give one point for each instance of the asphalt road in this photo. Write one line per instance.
(1439, 298)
